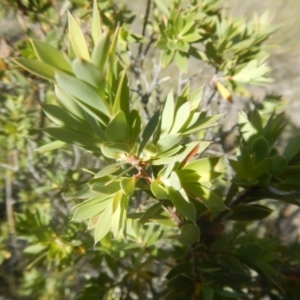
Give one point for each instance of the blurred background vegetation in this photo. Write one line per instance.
(42, 255)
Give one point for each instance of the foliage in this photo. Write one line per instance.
(173, 211)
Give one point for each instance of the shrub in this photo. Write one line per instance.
(180, 181)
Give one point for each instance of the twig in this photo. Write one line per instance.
(144, 26)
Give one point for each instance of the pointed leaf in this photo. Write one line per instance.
(96, 23)
(77, 39)
(135, 124)
(158, 190)
(149, 130)
(103, 225)
(66, 120)
(167, 114)
(114, 150)
(203, 164)
(128, 185)
(185, 208)
(249, 212)
(36, 67)
(108, 170)
(51, 146)
(149, 213)
(190, 234)
(101, 51)
(69, 103)
(91, 208)
(82, 91)
(122, 100)
(51, 56)
(90, 74)
(71, 137)
(182, 115)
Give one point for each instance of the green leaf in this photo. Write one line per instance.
(168, 142)
(108, 170)
(163, 7)
(77, 39)
(201, 123)
(185, 208)
(36, 67)
(158, 190)
(103, 187)
(261, 169)
(128, 185)
(149, 130)
(35, 249)
(182, 116)
(90, 74)
(210, 199)
(249, 212)
(51, 56)
(135, 124)
(167, 57)
(261, 149)
(91, 208)
(51, 146)
(69, 104)
(190, 234)
(96, 23)
(149, 213)
(115, 224)
(83, 92)
(292, 148)
(101, 51)
(96, 127)
(117, 130)
(175, 181)
(103, 225)
(114, 150)
(122, 98)
(62, 118)
(207, 293)
(167, 114)
(203, 164)
(181, 57)
(72, 137)
(195, 98)
(279, 165)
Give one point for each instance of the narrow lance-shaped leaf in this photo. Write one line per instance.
(69, 104)
(167, 117)
(128, 185)
(149, 130)
(90, 74)
(150, 212)
(108, 170)
(51, 56)
(135, 124)
(101, 51)
(96, 23)
(91, 208)
(85, 93)
(77, 39)
(104, 224)
(182, 116)
(122, 100)
(117, 130)
(185, 208)
(36, 67)
(62, 118)
(51, 146)
(71, 137)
